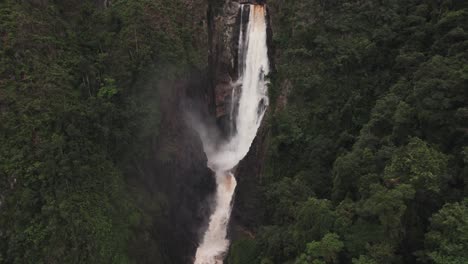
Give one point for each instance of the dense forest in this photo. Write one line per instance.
(365, 141)
(367, 146)
(82, 85)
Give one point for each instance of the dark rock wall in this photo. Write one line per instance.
(185, 177)
(224, 34)
(247, 210)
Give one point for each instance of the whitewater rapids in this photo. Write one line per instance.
(252, 104)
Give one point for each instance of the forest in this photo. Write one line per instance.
(365, 142)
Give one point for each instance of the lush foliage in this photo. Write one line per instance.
(78, 105)
(367, 144)
(367, 156)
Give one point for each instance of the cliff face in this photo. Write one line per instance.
(177, 177)
(223, 34)
(181, 172)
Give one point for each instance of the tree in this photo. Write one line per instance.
(324, 251)
(364, 260)
(314, 219)
(447, 239)
(418, 164)
(388, 205)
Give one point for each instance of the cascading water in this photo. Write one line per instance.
(253, 100)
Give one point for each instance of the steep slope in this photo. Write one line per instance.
(368, 138)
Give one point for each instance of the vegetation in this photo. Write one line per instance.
(367, 162)
(366, 157)
(78, 104)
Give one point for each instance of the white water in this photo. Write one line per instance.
(223, 158)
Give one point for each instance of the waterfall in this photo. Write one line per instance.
(253, 101)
